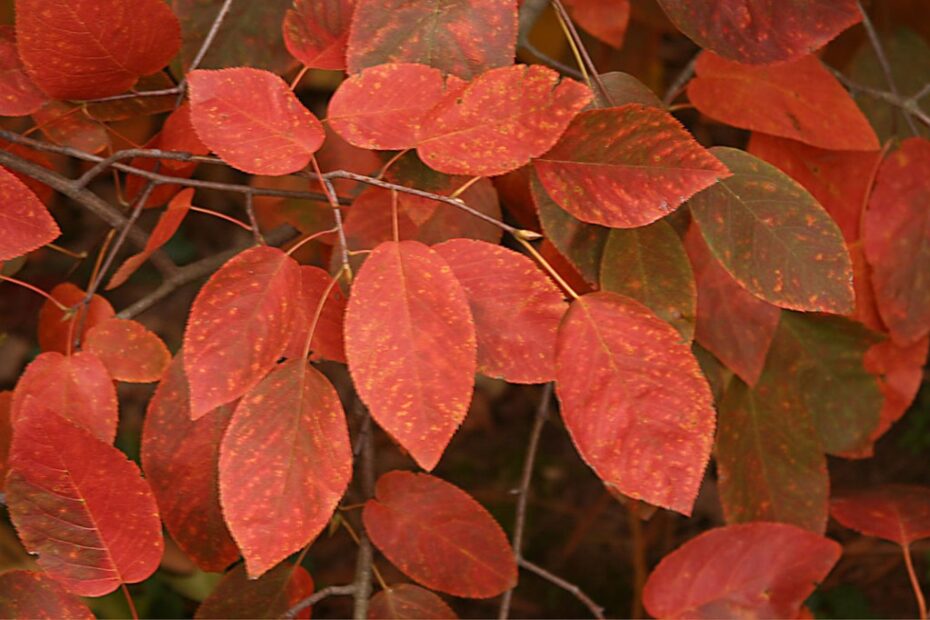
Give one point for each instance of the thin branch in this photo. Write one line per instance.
(909, 106)
(250, 212)
(211, 35)
(523, 493)
(679, 82)
(596, 610)
(318, 596)
(161, 92)
(576, 38)
(365, 558)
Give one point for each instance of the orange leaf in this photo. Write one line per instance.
(18, 95)
(316, 33)
(130, 352)
(25, 223)
(24, 594)
(896, 512)
(405, 601)
(55, 330)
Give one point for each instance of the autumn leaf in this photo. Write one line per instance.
(516, 308)
(627, 383)
(129, 350)
(285, 460)
(605, 20)
(239, 326)
(86, 49)
(410, 342)
(439, 536)
(327, 341)
(76, 387)
(900, 371)
(624, 88)
(6, 434)
(66, 124)
(252, 120)
(464, 38)
(90, 537)
(896, 512)
(800, 100)
(18, 95)
(759, 570)
(316, 33)
(382, 107)
(406, 601)
(25, 594)
(625, 167)
(270, 596)
(180, 459)
(774, 238)
(25, 223)
(762, 31)
(55, 331)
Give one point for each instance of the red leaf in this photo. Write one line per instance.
(77, 387)
(410, 342)
(285, 460)
(901, 372)
(627, 384)
(239, 596)
(464, 38)
(6, 434)
(24, 594)
(762, 31)
(55, 330)
(896, 242)
(316, 33)
(800, 100)
(382, 107)
(67, 124)
(516, 308)
(252, 120)
(605, 20)
(25, 223)
(239, 325)
(755, 570)
(774, 238)
(405, 601)
(18, 95)
(85, 49)
(180, 458)
(500, 120)
(437, 535)
(733, 324)
(896, 512)
(327, 341)
(90, 536)
(130, 352)
(167, 225)
(626, 167)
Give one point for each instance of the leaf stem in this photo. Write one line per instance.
(309, 238)
(37, 290)
(319, 312)
(578, 47)
(915, 583)
(132, 605)
(547, 266)
(221, 216)
(596, 610)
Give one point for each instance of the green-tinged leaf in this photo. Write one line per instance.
(623, 88)
(270, 596)
(405, 601)
(774, 238)
(650, 265)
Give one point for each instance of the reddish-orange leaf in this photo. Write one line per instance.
(25, 223)
(733, 324)
(900, 371)
(626, 167)
(271, 596)
(77, 387)
(382, 107)
(634, 400)
(167, 225)
(754, 570)
(285, 462)
(605, 20)
(6, 433)
(18, 95)
(501, 120)
(896, 241)
(896, 512)
(410, 342)
(239, 325)
(464, 38)
(252, 120)
(66, 124)
(327, 341)
(55, 330)
(180, 458)
(516, 307)
(41, 190)
(439, 536)
(316, 33)
(405, 601)
(774, 238)
(24, 594)
(85, 49)
(799, 100)
(762, 31)
(129, 350)
(89, 535)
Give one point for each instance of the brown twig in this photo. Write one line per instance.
(318, 596)
(523, 492)
(910, 105)
(250, 213)
(579, 44)
(675, 88)
(364, 560)
(596, 610)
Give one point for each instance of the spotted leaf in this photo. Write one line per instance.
(25, 223)
(316, 33)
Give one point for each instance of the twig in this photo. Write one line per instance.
(596, 610)
(909, 106)
(523, 493)
(679, 82)
(576, 38)
(208, 40)
(161, 92)
(250, 212)
(318, 596)
(882, 59)
(365, 558)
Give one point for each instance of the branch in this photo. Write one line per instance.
(679, 82)
(318, 596)
(542, 412)
(596, 610)
(910, 105)
(365, 558)
(582, 50)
